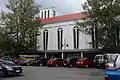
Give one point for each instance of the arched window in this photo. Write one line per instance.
(54, 13)
(48, 13)
(76, 37)
(60, 37)
(45, 15)
(45, 39)
(42, 14)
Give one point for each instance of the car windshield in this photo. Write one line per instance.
(111, 58)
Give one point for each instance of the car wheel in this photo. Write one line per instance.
(71, 65)
(3, 74)
(41, 64)
(86, 66)
(28, 64)
(56, 65)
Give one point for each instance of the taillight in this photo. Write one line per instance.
(106, 77)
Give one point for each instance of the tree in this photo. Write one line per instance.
(5, 42)
(21, 24)
(103, 19)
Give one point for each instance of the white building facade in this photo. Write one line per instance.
(55, 36)
(60, 34)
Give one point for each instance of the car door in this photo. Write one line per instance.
(59, 61)
(74, 61)
(117, 61)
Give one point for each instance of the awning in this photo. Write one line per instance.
(69, 50)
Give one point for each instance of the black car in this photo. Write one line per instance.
(0, 71)
(41, 62)
(9, 68)
(70, 62)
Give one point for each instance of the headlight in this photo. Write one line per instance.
(8, 68)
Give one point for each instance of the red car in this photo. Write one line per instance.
(85, 62)
(70, 62)
(55, 62)
(16, 61)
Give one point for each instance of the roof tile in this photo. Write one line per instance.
(69, 17)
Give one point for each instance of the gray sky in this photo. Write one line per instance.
(62, 6)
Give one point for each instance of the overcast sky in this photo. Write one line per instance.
(62, 6)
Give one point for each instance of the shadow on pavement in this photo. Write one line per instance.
(22, 75)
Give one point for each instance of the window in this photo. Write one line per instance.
(76, 37)
(45, 14)
(45, 39)
(48, 13)
(60, 36)
(42, 14)
(54, 13)
(112, 58)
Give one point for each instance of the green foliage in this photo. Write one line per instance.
(105, 16)
(21, 25)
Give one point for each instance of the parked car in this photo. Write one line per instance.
(70, 62)
(25, 62)
(85, 62)
(113, 61)
(9, 68)
(0, 71)
(16, 61)
(112, 74)
(41, 62)
(100, 61)
(55, 62)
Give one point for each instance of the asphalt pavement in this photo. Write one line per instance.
(59, 73)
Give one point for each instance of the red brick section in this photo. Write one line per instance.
(69, 17)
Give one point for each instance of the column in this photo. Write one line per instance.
(81, 55)
(62, 55)
(45, 55)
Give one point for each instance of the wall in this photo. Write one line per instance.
(67, 36)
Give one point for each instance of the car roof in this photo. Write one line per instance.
(100, 55)
(112, 54)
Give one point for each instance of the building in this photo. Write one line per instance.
(61, 37)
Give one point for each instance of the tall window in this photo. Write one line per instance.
(42, 14)
(45, 15)
(45, 39)
(60, 36)
(48, 13)
(54, 13)
(76, 37)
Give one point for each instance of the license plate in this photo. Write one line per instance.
(17, 70)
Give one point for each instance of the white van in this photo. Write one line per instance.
(99, 61)
(113, 61)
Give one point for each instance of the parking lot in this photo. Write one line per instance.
(59, 73)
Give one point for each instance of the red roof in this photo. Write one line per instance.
(69, 17)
